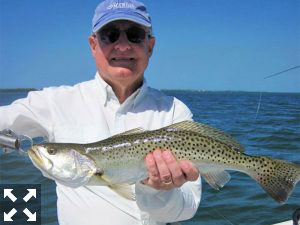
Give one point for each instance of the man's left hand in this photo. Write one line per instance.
(166, 173)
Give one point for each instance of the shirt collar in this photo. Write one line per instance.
(108, 94)
(101, 86)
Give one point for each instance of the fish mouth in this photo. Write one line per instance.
(35, 157)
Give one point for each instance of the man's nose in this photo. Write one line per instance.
(122, 43)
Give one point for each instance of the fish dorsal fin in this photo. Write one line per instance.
(207, 131)
(132, 131)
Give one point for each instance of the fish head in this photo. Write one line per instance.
(62, 163)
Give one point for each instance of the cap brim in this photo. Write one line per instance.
(136, 18)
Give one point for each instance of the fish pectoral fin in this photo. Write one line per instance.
(216, 178)
(97, 181)
(124, 190)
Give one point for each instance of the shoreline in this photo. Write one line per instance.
(15, 90)
(8, 90)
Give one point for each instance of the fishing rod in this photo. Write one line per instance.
(281, 72)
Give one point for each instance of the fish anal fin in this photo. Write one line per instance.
(216, 178)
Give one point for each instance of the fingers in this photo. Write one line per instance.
(175, 171)
(165, 172)
(159, 174)
(154, 177)
(190, 171)
(162, 166)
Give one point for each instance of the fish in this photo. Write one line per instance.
(119, 161)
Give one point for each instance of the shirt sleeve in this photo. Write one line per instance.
(181, 112)
(178, 204)
(169, 206)
(27, 116)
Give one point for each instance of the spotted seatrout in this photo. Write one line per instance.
(119, 159)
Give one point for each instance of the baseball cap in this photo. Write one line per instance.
(112, 10)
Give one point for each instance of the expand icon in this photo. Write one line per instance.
(8, 193)
(20, 205)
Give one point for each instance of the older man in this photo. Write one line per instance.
(117, 100)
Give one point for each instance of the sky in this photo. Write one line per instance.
(200, 44)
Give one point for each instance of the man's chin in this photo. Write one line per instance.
(123, 72)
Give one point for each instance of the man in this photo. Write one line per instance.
(117, 100)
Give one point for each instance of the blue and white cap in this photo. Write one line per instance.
(112, 10)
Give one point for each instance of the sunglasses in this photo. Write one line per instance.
(109, 35)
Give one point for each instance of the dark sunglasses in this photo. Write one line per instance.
(109, 35)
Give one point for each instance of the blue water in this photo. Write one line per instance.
(274, 131)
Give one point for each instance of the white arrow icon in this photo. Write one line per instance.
(31, 217)
(31, 192)
(7, 192)
(8, 216)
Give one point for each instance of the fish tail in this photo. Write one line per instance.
(278, 178)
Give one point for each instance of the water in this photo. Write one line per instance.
(274, 132)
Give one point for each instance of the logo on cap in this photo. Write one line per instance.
(116, 5)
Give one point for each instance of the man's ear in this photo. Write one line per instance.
(93, 44)
(151, 44)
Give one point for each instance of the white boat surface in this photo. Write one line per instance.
(290, 222)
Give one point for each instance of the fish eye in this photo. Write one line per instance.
(52, 151)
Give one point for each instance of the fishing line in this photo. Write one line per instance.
(216, 212)
(269, 76)
(260, 96)
(222, 216)
(256, 115)
(258, 106)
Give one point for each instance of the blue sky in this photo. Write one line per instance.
(200, 44)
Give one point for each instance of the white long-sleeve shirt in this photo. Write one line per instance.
(89, 112)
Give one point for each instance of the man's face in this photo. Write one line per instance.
(121, 62)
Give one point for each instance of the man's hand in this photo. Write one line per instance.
(166, 173)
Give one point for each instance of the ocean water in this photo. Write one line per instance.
(273, 130)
